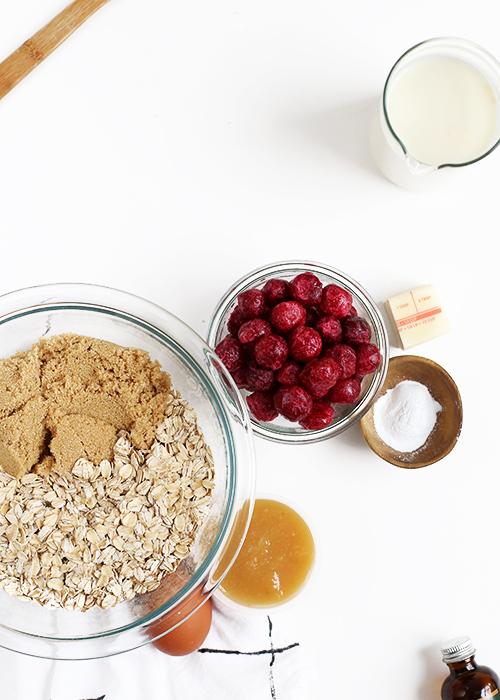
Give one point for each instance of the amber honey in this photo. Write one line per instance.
(276, 557)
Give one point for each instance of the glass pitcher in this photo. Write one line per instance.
(440, 111)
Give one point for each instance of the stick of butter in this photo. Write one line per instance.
(417, 316)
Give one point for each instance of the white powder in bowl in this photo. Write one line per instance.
(405, 416)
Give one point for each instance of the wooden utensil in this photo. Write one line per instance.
(22, 61)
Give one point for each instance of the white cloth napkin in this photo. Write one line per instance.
(244, 656)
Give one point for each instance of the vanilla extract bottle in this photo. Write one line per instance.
(467, 680)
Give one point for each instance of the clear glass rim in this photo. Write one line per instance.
(294, 435)
(125, 306)
(437, 41)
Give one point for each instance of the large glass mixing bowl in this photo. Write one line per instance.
(29, 314)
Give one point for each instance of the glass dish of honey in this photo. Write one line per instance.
(276, 561)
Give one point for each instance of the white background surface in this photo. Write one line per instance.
(167, 149)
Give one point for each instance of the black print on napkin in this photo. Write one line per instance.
(101, 697)
(272, 651)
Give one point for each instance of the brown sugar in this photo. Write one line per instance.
(69, 396)
(78, 436)
(19, 381)
(23, 436)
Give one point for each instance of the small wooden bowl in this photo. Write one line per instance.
(448, 421)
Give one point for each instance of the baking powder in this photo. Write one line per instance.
(405, 416)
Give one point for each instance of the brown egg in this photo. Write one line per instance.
(190, 634)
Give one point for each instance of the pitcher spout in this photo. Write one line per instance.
(416, 168)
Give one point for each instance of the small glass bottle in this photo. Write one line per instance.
(467, 680)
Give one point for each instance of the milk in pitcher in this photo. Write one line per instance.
(443, 111)
(440, 110)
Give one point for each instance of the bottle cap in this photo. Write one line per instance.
(457, 649)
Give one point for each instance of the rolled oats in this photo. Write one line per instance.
(105, 532)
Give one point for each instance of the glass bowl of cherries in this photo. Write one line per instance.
(307, 347)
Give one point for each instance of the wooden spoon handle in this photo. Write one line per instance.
(34, 50)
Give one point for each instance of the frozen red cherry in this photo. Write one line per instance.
(345, 357)
(288, 315)
(336, 301)
(248, 351)
(312, 316)
(356, 330)
(293, 402)
(345, 391)
(304, 343)
(289, 373)
(271, 351)
(259, 378)
(320, 416)
(236, 319)
(252, 330)
(276, 291)
(252, 303)
(230, 352)
(261, 405)
(368, 359)
(306, 288)
(319, 375)
(330, 329)
(240, 377)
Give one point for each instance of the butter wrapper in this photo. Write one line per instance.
(417, 316)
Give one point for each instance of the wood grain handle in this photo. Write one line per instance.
(34, 50)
